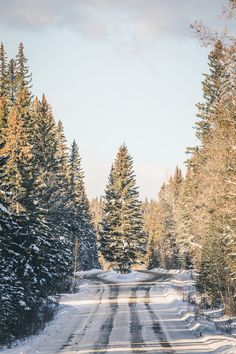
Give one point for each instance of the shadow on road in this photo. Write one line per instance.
(153, 278)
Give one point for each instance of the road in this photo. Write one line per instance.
(134, 317)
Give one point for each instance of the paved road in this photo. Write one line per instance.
(130, 318)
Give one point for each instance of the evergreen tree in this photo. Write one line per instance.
(23, 76)
(49, 188)
(3, 72)
(77, 180)
(122, 237)
(96, 212)
(188, 246)
(15, 174)
(3, 118)
(45, 163)
(3, 92)
(11, 81)
(152, 228)
(84, 248)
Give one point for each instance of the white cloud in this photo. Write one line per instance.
(142, 20)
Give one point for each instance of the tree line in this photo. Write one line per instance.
(46, 232)
(195, 215)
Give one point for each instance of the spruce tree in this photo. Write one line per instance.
(212, 90)
(4, 111)
(11, 81)
(77, 180)
(123, 238)
(50, 187)
(23, 76)
(184, 223)
(84, 240)
(3, 92)
(3, 72)
(44, 145)
(152, 228)
(16, 171)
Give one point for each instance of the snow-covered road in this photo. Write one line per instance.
(137, 313)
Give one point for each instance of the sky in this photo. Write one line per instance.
(117, 71)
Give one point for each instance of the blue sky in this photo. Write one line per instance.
(117, 71)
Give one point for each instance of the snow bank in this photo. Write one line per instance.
(179, 274)
(87, 272)
(46, 341)
(203, 326)
(2, 208)
(38, 343)
(124, 278)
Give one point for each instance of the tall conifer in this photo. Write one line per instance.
(122, 238)
(3, 72)
(11, 81)
(23, 76)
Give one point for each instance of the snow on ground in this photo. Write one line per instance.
(181, 275)
(47, 340)
(124, 278)
(170, 294)
(41, 341)
(86, 272)
(2, 208)
(209, 324)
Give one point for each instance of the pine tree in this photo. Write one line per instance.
(85, 248)
(152, 229)
(50, 187)
(23, 77)
(3, 72)
(16, 171)
(11, 291)
(96, 212)
(77, 180)
(122, 237)
(188, 246)
(4, 111)
(61, 175)
(3, 92)
(45, 163)
(11, 81)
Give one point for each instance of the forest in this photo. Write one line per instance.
(49, 229)
(196, 212)
(45, 221)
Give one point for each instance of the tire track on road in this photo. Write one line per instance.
(74, 338)
(106, 328)
(157, 329)
(135, 324)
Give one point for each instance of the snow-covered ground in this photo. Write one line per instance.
(124, 278)
(140, 311)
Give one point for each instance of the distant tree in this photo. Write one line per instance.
(152, 228)
(96, 212)
(123, 239)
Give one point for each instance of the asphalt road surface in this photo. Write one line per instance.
(130, 317)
